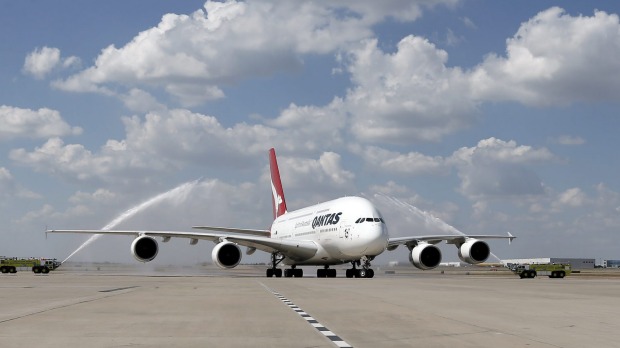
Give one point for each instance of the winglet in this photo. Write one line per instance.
(510, 238)
(277, 193)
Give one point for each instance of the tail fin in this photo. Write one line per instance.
(277, 194)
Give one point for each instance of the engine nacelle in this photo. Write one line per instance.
(425, 256)
(144, 248)
(474, 251)
(226, 255)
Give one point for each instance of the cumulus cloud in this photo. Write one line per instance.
(26, 123)
(412, 163)
(573, 197)
(192, 55)
(161, 141)
(555, 59)
(42, 61)
(496, 168)
(311, 178)
(409, 95)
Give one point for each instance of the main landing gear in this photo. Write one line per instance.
(274, 271)
(276, 258)
(364, 272)
(326, 272)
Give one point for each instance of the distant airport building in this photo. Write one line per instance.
(575, 263)
(611, 263)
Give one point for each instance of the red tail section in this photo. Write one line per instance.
(277, 194)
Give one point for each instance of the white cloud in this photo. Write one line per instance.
(10, 189)
(42, 61)
(496, 168)
(555, 59)
(192, 55)
(412, 163)
(311, 180)
(569, 140)
(573, 197)
(410, 95)
(26, 123)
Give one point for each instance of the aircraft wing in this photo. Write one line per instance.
(264, 233)
(412, 241)
(295, 250)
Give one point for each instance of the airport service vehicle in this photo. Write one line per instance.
(550, 270)
(344, 230)
(38, 265)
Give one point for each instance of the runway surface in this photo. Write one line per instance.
(240, 308)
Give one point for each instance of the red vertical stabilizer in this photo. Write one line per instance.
(277, 194)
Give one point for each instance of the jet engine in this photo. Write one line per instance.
(144, 248)
(474, 251)
(226, 255)
(425, 256)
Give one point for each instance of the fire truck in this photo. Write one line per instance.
(37, 265)
(551, 270)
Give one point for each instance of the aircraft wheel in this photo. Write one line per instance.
(349, 273)
(331, 273)
(269, 272)
(278, 273)
(298, 273)
(361, 273)
(370, 273)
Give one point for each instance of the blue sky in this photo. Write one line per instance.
(492, 116)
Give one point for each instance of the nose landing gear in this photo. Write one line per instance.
(364, 272)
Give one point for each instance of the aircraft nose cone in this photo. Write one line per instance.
(377, 240)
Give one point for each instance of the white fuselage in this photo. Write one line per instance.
(344, 230)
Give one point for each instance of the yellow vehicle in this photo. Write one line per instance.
(37, 265)
(551, 270)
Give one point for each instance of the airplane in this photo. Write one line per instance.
(340, 231)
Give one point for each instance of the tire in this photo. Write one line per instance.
(4, 269)
(45, 270)
(349, 273)
(299, 273)
(562, 274)
(331, 273)
(362, 273)
(13, 270)
(278, 273)
(269, 272)
(370, 273)
(524, 274)
(36, 269)
(532, 274)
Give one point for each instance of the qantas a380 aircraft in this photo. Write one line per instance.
(344, 230)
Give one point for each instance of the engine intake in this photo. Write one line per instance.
(144, 248)
(474, 251)
(226, 255)
(425, 256)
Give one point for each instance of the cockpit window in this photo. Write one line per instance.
(360, 220)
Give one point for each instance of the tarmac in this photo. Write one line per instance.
(126, 306)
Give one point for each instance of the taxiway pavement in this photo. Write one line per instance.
(238, 308)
